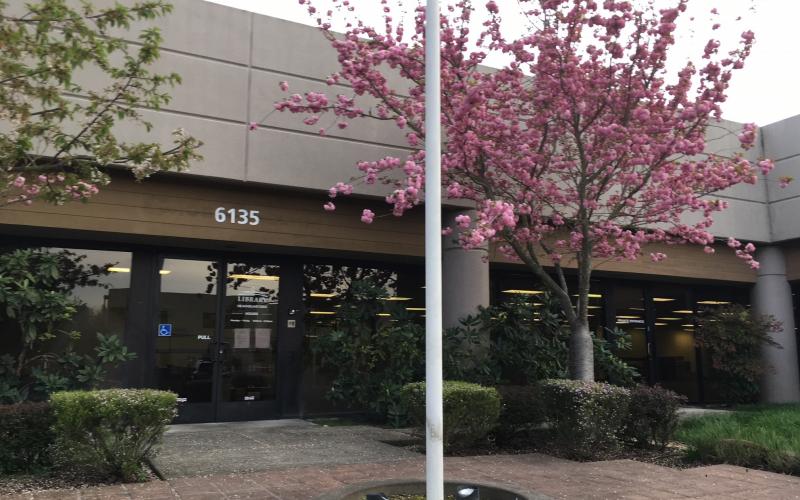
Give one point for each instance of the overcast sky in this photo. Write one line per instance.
(765, 91)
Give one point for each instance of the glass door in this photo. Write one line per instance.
(186, 352)
(249, 342)
(217, 340)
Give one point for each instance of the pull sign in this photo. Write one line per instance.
(239, 216)
(249, 398)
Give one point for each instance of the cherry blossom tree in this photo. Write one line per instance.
(583, 147)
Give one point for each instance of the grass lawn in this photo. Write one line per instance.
(763, 437)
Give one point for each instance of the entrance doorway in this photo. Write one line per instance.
(218, 337)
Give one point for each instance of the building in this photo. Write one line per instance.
(222, 277)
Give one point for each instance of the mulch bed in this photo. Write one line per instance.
(55, 480)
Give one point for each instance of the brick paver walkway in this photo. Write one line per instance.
(542, 474)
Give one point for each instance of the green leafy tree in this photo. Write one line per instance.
(58, 133)
(36, 303)
(732, 338)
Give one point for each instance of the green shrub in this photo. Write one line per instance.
(471, 411)
(653, 416)
(112, 431)
(732, 338)
(608, 367)
(522, 411)
(25, 437)
(369, 357)
(586, 416)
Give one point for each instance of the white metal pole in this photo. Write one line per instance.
(434, 430)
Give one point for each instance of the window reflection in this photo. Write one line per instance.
(104, 300)
(101, 282)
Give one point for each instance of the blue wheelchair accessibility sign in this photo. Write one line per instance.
(165, 330)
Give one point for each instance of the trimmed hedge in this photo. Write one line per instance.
(653, 416)
(521, 411)
(112, 431)
(26, 437)
(471, 411)
(586, 416)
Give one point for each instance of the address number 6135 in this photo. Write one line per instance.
(237, 216)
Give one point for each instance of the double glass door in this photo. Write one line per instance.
(217, 338)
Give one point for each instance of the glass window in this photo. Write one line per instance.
(104, 305)
(99, 281)
(676, 360)
(628, 307)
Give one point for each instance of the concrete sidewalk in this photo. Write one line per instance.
(236, 447)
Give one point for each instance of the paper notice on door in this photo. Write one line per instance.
(241, 338)
(262, 338)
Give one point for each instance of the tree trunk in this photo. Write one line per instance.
(581, 353)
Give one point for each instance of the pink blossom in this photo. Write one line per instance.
(284, 85)
(252, 126)
(463, 221)
(19, 182)
(766, 166)
(367, 216)
(330, 207)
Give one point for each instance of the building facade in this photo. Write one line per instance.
(223, 277)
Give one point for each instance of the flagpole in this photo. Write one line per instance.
(434, 430)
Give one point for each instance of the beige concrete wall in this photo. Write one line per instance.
(782, 144)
